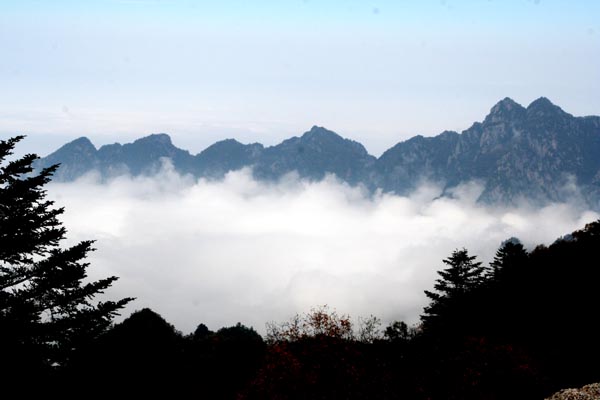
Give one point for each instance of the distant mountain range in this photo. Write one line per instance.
(539, 153)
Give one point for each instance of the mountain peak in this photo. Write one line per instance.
(82, 140)
(319, 136)
(82, 143)
(505, 105)
(508, 102)
(319, 131)
(223, 145)
(155, 138)
(541, 102)
(543, 107)
(229, 141)
(505, 109)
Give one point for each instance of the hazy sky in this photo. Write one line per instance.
(374, 71)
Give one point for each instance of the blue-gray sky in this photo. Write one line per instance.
(263, 70)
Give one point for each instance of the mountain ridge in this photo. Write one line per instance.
(531, 152)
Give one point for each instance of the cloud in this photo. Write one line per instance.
(242, 250)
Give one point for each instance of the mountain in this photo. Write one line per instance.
(540, 153)
(226, 155)
(314, 154)
(142, 156)
(537, 153)
(75, 158)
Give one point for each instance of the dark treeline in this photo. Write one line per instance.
(520, 328)
(523, 327)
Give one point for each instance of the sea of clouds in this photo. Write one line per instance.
(239, 250)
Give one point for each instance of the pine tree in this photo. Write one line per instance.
(46, 305)
(462, 276)
(508, 259)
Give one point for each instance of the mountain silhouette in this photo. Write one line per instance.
(539, 153)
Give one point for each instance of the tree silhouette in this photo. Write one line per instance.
(508, 259)
(46, 309)
(399, 331)
(222, 363)
(463, 275)
(201, 332)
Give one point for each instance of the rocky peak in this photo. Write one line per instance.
(155, 139)
(225, 144)
(505, 110)
(505, 104)
(82, 145)
(228, 146)
(324, 139)
(543, 107)
(448, 135)
(541, 103)
(75, 158)
(318, 132)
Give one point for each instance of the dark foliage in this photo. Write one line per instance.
(223, 362)
(448, 302)
(319, 356)
(520, 329)
(141, 356)
(525, 331)
(46, 308)
(145, 356)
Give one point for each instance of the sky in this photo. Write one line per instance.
(260, 71)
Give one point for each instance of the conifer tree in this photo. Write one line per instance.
(462, 276)
(46, 304)
(509, 257)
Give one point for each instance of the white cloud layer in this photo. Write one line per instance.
(241, 250)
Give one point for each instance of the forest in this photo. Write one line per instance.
(522, 327)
